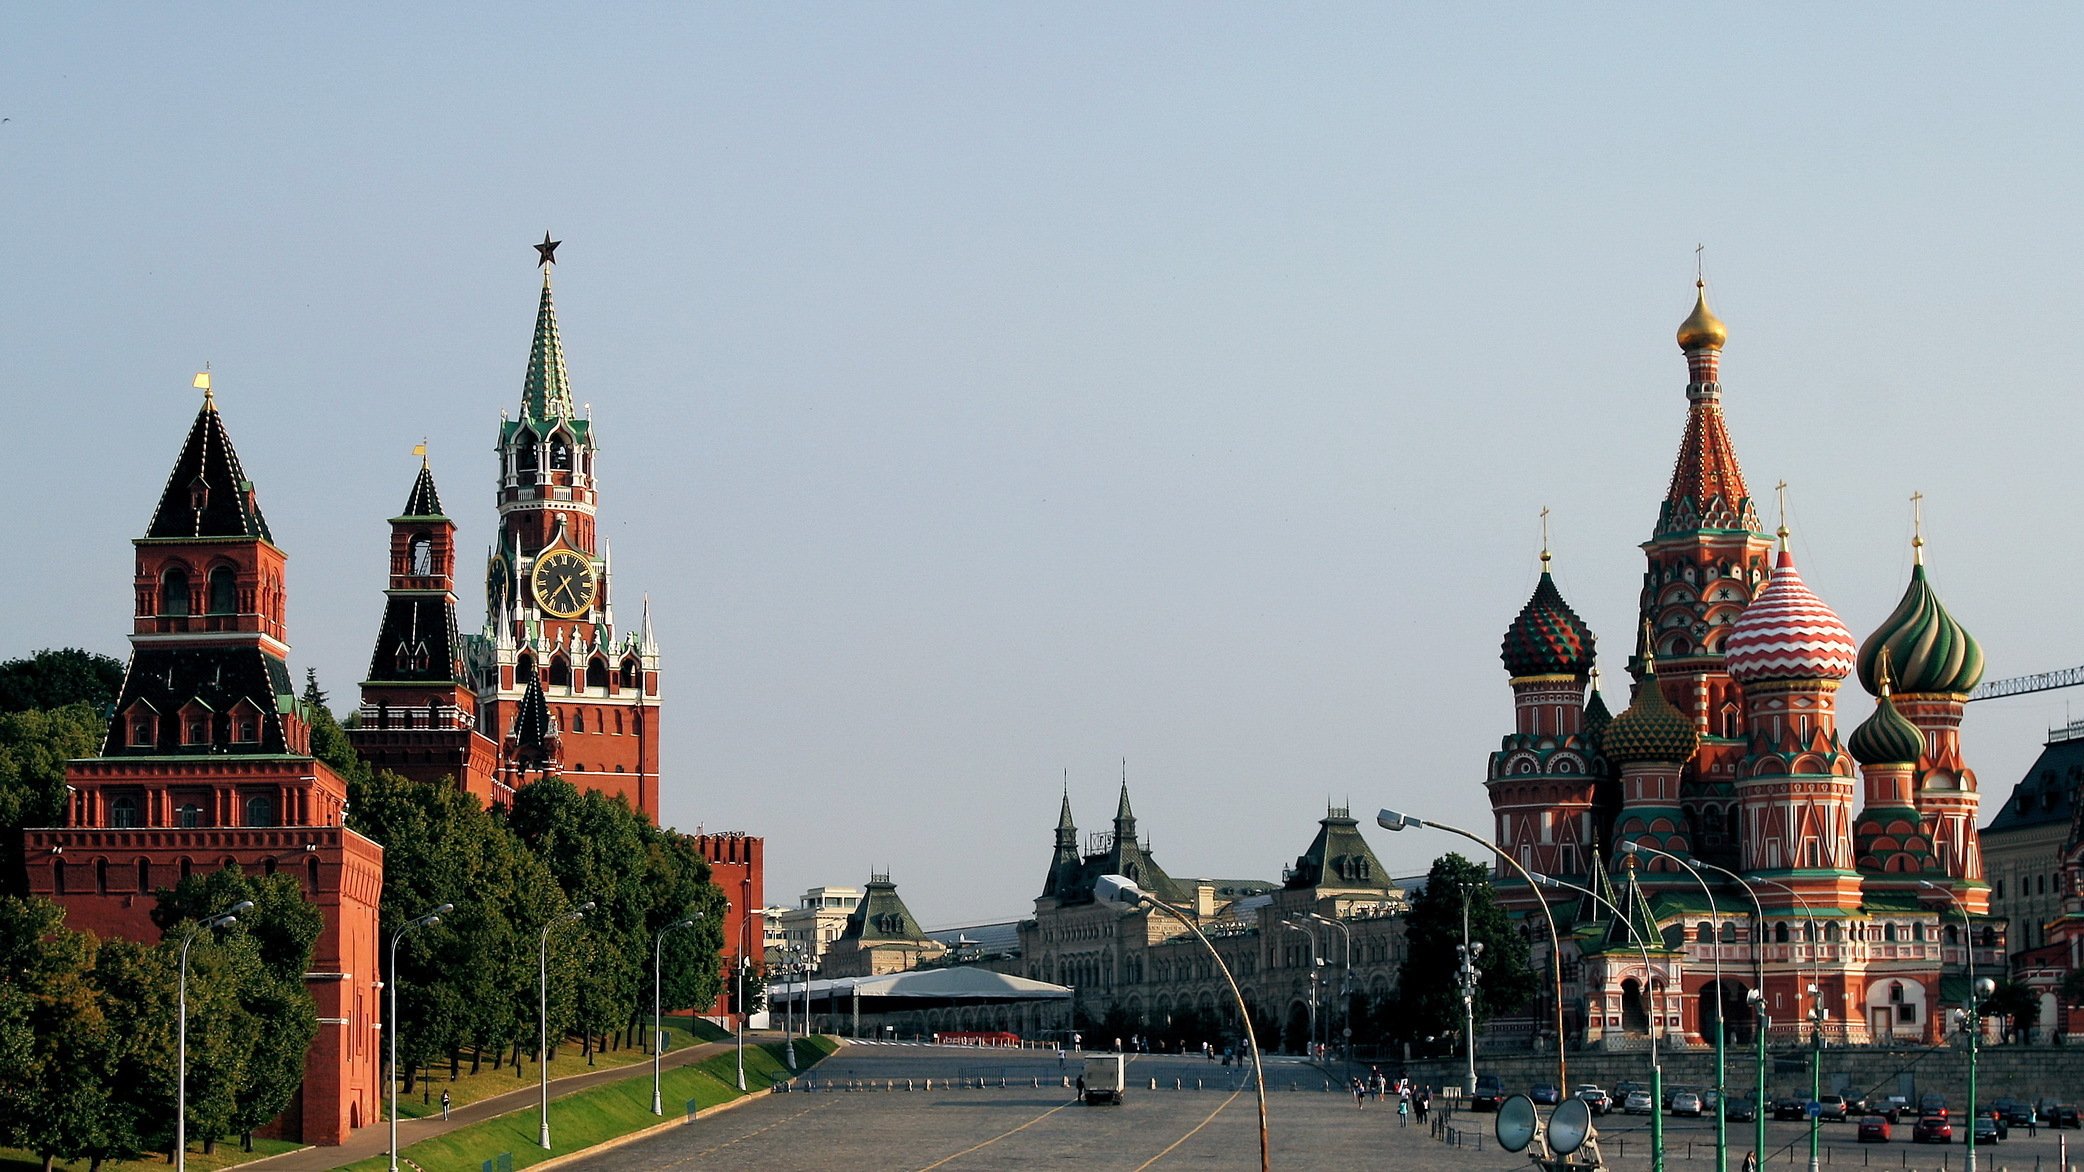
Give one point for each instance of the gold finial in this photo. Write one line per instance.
(1884, 674)
(1544, 539)
(1649, 655)
(1781, 533)
(1702, 330)
(1917, 528)
(202, 383)
(420, 450)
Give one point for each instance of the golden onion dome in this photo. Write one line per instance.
(1702, 330)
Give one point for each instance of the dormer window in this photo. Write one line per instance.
(246, 724)
(143, 728)
(198, 494)
(224, 591)
(173, 593)
(195, 728)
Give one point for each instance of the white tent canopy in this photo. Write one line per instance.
(951, 984)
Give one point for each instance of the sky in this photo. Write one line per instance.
(1000, 398)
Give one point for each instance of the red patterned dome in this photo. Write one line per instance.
(1787, 633)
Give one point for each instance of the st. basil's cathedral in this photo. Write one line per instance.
(207, 759)
(1729, 758)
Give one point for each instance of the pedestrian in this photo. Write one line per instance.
(1751, 1161)
(445, 1105)
(1360, 1096)
(1081, 1094)
(1403, 1112)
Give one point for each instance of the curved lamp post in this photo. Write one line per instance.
(1119, 889)
(1721, 1057)
(1656, 1021)
(1972, 1012)
(1391, 820)
(1292, 926)
(658, 1032)
(542, 1020)
(1345, 988)
(391, 1019)
(207, 924)
(1817, 1013)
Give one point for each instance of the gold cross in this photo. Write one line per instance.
(1917, 527)
(1544, 537)
(1781, 489)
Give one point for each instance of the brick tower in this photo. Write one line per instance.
(550, 621)
(207, 762)
(419, 711)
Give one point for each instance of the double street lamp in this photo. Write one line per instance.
(1292, 926)
(658, 1032)
(207, 924)
(1468, 952)
(1120, 889)
(1721, 1058)
(1345, 988)
(1971, 1011)
(391, 1017)
(543, 1011)
(1657, 1011)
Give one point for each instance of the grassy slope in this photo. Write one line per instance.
(425, 1098)
(226, 1155)
(600, 1113)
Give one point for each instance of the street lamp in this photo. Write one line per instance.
(658, 1033)
(391, 1020)
(1757, 996)
(1345, 987)
(542, 1020)
(1468, 953)
(745, 935)
(1721, 1076)
(208, 924)
(1818, 1015)
(1119, 889)
(1292, 926)
(1656, 1010)
(1972, 1013)
(1391, 820)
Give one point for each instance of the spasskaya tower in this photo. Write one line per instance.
(561, 688)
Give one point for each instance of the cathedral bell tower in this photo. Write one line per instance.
(550, 616)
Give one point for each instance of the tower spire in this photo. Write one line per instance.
(547, 391)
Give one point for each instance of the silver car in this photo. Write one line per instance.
(1686, 1103)
(1639, 1103)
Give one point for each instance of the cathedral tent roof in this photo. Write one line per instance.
(207, 494)
(423, 501)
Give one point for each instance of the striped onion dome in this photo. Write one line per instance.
(1887, 737)
(1547, 638)
(1787, 633)
(1650, 729)
(1930, 652)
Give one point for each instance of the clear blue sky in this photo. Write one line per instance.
(988, 392)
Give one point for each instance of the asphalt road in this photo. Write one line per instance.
(856, 1125)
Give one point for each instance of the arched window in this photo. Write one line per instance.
(1895, 992)
(311, 873)
(1888, 936)
(1809, 932)
(1951, 936)
(173, 593)
(525, 457)
(629, 673)
(101, 876)
(597, 673)
(260, 810)
(1832, 934)
(1704, 933)
(143, 729)
(123, 812)
(58, 876)
(224, 591)
(1989, 936)
(1917, 933)
(560, 453)
(1729, 932)
(1780, 933)
(245, 727)
(144, 875)
(422, 554)
(560, 672)
(618, 722)
(188, 816)
(578, 720)
(524, 670)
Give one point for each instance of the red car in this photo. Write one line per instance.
(1874, 1129)
(1933, 1129)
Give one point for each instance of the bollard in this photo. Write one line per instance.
(929, 1084)
(1154, 1084)
(1175, 1084)
(1197, 1086)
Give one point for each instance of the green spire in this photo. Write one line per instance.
(548, 391)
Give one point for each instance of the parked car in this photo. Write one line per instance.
(1874, 1129)
(2019, 1113)
(1988, 1129)
(1740, 1111)
(2003, 1125)
(1933, 1129)
(1856, 1106)
(1490, 1091)
(2062, 1116)
(2003, 1106)
(1686, 1103)
(1894, 1107)
(1598, 1100)
(1546, 1094)
(1639, 1103)
(1672, 1093)
(1929, 1103)
(1790, 1107)
(1834, 1107)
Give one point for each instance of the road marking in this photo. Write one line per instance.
(741, 1139)
(1190, 1135)
(994, 1139)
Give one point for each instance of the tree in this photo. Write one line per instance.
(57, 1101)
(247, 998)
(54, 679)
(34, 747)
(1429, 995)
(2015, 1004)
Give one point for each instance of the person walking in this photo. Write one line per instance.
(1360, 1095)
(1403, 1112)
(1751, 1161)
(445, 1106)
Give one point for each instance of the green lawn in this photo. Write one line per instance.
(226, 1155)
(602, 1113)
(425, 1098)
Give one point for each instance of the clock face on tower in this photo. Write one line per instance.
(563, 583)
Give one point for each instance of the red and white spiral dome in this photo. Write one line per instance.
(1787, 633)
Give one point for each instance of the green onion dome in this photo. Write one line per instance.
(1650, 729)
(1547, 638)
(1594, 723)
(1887, 737)
(1931, 653)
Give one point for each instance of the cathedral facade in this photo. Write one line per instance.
(1737, 856)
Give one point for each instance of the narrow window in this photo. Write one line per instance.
(260, 810)
(560, 672)
(144, 875)
(173, 593)
(597, 673)
(224, 591)
(422, 555)
(123, 813)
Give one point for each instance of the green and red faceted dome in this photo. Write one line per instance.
(1887, 737)
(1787, 633)
(1547, 639)
(1928, 651)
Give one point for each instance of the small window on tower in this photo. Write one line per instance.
(525, 458)
(224, 591)
(560, 672)
(198, 494)
(524, 670)
(597, 673)
(123, 813)
(195, 729)
(422, 555)
(260, 810)
(142, 730)
(629, 673)
(560, 454)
